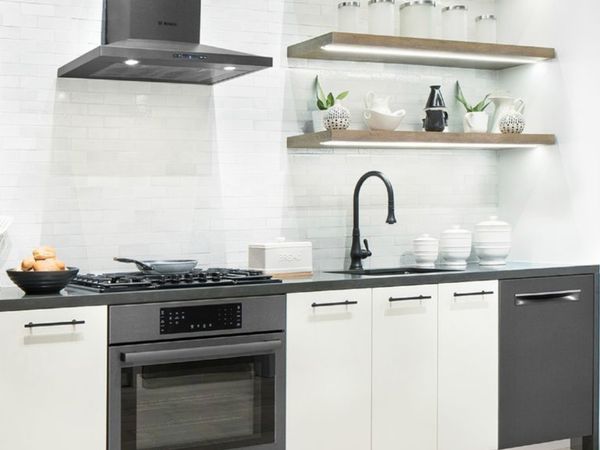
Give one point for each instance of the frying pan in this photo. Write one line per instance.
(162, 267)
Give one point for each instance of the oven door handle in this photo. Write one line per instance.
(198, 353)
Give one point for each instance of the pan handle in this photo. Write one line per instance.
(140, 264)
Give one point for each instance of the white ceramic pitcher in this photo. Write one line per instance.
(505, 105)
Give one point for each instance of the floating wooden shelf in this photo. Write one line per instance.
(429, 52)
(417, 139)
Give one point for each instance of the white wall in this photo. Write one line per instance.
(105, 168)
(552, 195)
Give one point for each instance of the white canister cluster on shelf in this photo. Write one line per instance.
(455, 23)
(455, 247)
(492, 242)
(382, 17)
(420, 19)
(426, 249)
(349, 17)
(485, 28)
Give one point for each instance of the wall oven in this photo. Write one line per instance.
(198, 375)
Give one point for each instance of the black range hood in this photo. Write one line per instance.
(159, 41)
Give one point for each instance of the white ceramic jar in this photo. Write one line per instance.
(426, 250)
(382, 18)
(485, 28)
(455, 247)
(420, 19)
(455, 23)
(349, 17)
(492, 242)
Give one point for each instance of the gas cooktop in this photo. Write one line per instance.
(138, 281)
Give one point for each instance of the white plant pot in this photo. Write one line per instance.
(476, 122)
(317, 120)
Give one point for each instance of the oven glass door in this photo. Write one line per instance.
(209, 404)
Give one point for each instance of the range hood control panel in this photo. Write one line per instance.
(201, 318)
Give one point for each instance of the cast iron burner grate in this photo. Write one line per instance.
(138, 281)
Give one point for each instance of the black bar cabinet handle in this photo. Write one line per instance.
(472, 294)
(346, 303)
(543, 297)
(54, 324)
(405, 299)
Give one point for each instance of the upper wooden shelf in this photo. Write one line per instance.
(428, 52)
(417, 139)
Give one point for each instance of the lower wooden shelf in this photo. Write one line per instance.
(417, 139)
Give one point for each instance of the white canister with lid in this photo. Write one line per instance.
(492, 242)
(382, 19)
(485, 28)
(349, 17)
(281, 257)
(426, 249)
(455, 23)
(455, 246)
(420, 19)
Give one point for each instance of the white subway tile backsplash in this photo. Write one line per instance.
(105, 168)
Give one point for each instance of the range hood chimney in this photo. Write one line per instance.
(159, 41)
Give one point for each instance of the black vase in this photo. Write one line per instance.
(435, 100)
(435, 120)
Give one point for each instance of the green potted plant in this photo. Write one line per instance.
(323, 103)
(476, 119)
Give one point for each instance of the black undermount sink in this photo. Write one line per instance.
(393, 271)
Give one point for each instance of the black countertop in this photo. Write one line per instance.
(13, 299)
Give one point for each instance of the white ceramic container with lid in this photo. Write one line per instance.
(455, 246)
(455, 22)
(382, 17)
(485, 28)
(281, 257)
(349, 17)
(426, 249)
(492, 242)
(420, 19)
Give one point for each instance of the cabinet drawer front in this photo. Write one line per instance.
(468, 366)
(546, 359)
(405, 368)
(53, 379)
(329, 370)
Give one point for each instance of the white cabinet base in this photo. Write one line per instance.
(53, 380)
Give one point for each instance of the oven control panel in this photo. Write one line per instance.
(199, 318)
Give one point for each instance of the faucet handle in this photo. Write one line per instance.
(367, 253)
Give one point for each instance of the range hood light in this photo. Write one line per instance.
(229, 68)
(132, 62)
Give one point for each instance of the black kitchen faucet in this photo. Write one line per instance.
(357, 254)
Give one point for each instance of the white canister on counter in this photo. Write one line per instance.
(485, 28)
(455, 246)
(492, 242)
(382, 19)
(455, 23)
(426, 249)
(420, 19)
(281, 257)
(349, 17)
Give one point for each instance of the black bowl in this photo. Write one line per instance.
(36, 283)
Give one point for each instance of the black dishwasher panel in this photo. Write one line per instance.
(546, 359)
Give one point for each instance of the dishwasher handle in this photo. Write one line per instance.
(130, 359)
(547, 297)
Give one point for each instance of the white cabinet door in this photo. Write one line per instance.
(329, 370)
(405, 368)
(468, 366)
(53, 380)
